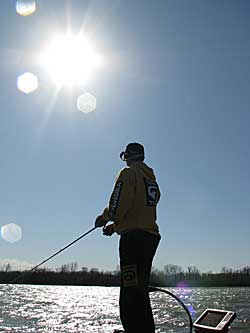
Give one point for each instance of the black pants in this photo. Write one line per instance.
(137, 250)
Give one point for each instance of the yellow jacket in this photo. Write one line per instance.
(132, 204)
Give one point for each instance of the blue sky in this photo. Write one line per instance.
(176, 79)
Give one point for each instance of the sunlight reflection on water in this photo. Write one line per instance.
(71, 309)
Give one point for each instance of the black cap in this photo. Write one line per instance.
(133, 151)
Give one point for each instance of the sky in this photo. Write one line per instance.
(176, 78)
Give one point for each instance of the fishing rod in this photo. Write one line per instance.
(52, 256)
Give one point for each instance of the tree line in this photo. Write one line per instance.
(170, 276)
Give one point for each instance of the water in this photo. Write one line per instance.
(66, 309)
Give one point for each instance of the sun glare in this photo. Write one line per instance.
(70, 60)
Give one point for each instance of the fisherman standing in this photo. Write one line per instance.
(132, 209)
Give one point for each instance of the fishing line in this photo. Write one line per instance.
(52, 256)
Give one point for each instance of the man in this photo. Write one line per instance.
(132, 209)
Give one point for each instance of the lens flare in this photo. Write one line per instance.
(11, 232)
(25, 7)
(86, 103)
(186, 293)
(191, 310)
(27, 83)
(183, 285)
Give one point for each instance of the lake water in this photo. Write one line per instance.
(71, 309)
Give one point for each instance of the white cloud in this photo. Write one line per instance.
(15, 264)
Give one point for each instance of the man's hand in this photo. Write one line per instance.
(100, 221)
(108, 230)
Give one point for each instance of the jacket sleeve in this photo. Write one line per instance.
(122, 196)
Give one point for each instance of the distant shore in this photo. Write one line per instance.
(170, 276)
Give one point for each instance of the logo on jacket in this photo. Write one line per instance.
(152, 192)
(114, 200)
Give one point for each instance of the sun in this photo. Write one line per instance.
(70, 60)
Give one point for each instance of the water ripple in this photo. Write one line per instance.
(68, 309)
